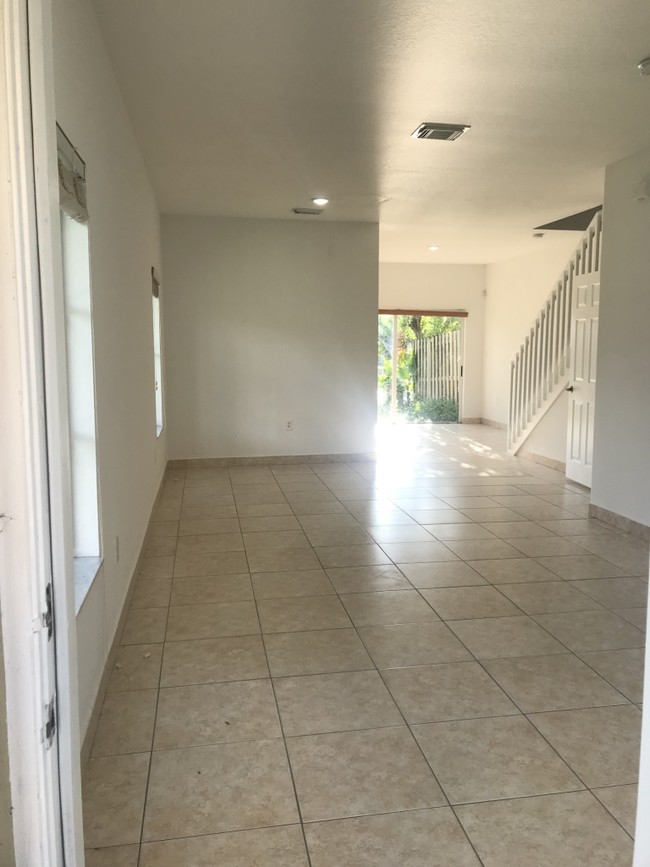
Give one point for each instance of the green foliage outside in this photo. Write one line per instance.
(437, 409)
(409, 329)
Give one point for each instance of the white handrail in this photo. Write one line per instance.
(542, 361)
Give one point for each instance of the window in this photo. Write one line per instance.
(157, 350)
(79, 363)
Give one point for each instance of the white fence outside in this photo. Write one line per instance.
(438, 366)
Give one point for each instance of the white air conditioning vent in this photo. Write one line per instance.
(440, 131)
(309, 212)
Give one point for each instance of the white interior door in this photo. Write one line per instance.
(582, 372)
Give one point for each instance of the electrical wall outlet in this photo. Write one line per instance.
(289, 424)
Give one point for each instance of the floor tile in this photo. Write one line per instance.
(162, 529)
(161, 547)
(156, 567)
(151, 593)
(209, 544)
(581, 567)
(263, 510)
(211, 588)
(144, 626)
(351, 555)
(339, 536)
(301, 614)
(484, 549)
(227, 787)
(211, 621)
(558, 682)
(328, 522)
(113, 799)
(482, 516)
(359, 773)
(303, 582)
(460, 603)
(271, 523)
(549, 547)
(201, 512)
(636, 616)
(460, 532)
(365, 579)
(486, 759)
(420, 838)
(219, 563)
(334, 702)
(592, 630)
(126, 723)
(419, 552)
(628, 552)
(428, 517)
(263, 847)
(514, 571)
(407, 644)
(208, 526)
(571, 830)
(622, 668)
(213, 660)
(576, 527)
(283, 560)
(215, 713)
(316, 652)
(621, 803)
(456, 574)
(548, 597)
(136, 666)
(275, 540)
(616, 592)
(498, 637)
(600, 744)
(115, 856)
(400, 533)
(459, 690)
(390, 606)
(517, 529)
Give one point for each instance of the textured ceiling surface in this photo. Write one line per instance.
(251, 107)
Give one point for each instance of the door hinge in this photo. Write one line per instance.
(48, 614)
(461, 370)
(49, 730)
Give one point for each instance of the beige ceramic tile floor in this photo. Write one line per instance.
(432, 661)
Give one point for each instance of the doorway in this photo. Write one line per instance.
(420, 366)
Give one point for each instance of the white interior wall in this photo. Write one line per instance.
(621, 478)
(268, 321)
(516, 290)
(124, 245)
(443, 287)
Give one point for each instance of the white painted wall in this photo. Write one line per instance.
(266, 321)
(516, 290)
(621, 478)
(124, 245)
(443, 287)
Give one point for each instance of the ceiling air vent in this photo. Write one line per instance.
(309, 212)
(440, 131)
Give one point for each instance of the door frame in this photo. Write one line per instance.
(47, 819)
(445, 314)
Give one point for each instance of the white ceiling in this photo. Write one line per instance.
(251, 107)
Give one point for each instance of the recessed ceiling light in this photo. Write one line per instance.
(320, 201)
(644, 66)
(433, 248)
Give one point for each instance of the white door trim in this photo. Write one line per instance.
(42, 822)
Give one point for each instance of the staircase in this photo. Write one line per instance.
(539, 372)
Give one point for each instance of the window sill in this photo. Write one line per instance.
(85, 570)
